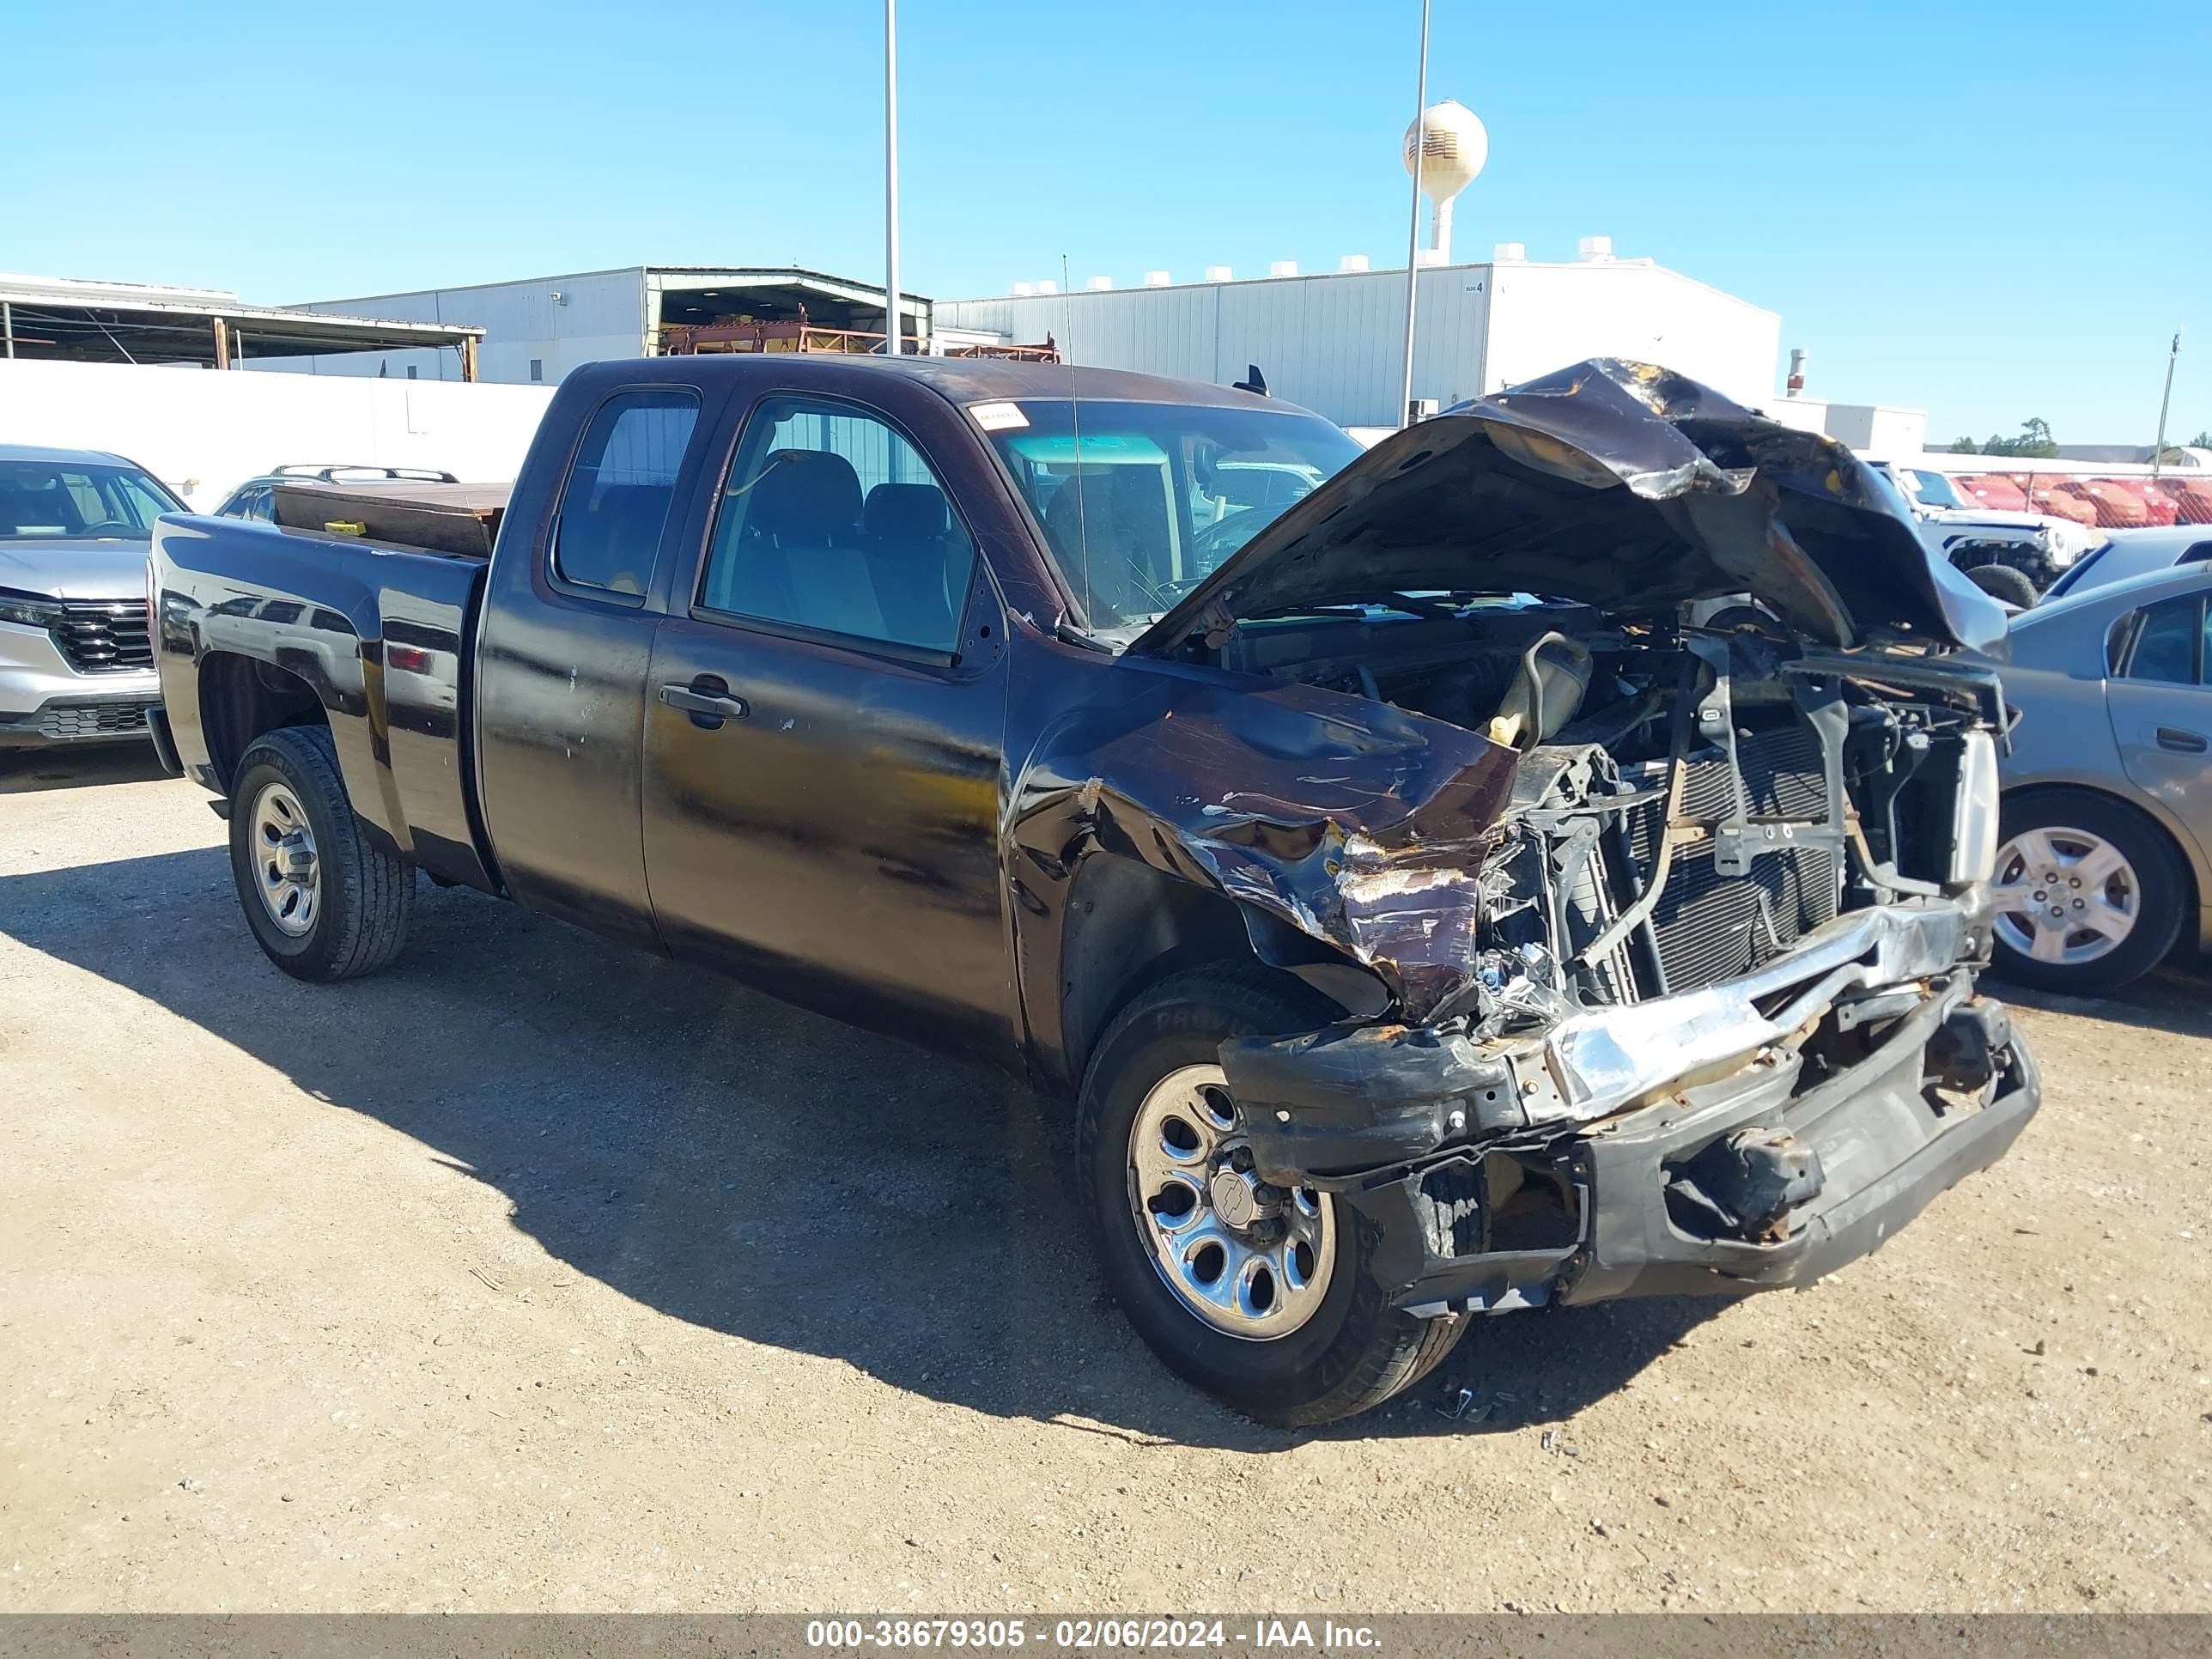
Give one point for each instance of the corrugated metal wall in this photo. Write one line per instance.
(1330, 342)
(1336, 342)
(599, 314)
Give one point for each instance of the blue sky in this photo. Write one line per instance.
(1990, 211)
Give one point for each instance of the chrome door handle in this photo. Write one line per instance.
(706, 708)
(2188, 743)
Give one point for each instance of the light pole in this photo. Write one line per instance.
(1413, 220)
(2158, 449)
(892, 331)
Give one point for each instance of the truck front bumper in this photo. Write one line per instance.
(1759, 1177)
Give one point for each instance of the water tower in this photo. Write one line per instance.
(1452, 147)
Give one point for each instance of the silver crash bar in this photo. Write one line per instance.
(1595, 1063)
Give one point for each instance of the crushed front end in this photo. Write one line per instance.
(1651, 779)
(1722, 1031)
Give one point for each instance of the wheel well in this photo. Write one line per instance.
(242, 697)
(1130, 926)
(2036, 791)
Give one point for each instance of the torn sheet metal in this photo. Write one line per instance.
(1357, 822)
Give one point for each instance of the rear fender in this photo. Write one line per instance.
(256, 626)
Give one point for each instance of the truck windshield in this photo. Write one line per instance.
(1141, 502)
(1932, 489)
(59, 499)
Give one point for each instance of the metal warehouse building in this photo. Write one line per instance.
(1335, 342)
(537, 329)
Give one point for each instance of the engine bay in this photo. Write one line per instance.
(1694, 794)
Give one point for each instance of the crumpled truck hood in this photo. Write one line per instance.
(1617, 484)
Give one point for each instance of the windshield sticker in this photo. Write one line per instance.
(999, 417)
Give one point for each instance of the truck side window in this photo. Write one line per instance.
(619, 492)
(833, 521)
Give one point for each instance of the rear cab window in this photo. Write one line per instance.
(620, 490)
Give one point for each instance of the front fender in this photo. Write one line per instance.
(1354, 824)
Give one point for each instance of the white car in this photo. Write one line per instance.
(2011, 556)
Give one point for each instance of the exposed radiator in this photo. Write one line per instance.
(1707, 927)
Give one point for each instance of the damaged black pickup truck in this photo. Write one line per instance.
(1543, 862)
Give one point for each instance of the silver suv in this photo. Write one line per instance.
(76, 663)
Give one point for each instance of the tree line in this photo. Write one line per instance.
(2035, 443)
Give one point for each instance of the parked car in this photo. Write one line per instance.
(2107, 825)
(1426, 918)
(2127, 553)
(256, 497)
(2117, 503)
(76, 664)
(2011, 556)
(1991, 489)
(2191, 497)
(2163, 499)
(2059, 497)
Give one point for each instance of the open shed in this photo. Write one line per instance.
(62, 320)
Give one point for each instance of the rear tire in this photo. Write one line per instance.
(1344, 1353)
(2002, 582)
(325, 900)
(2115, 908)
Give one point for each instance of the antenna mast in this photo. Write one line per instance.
(2158, 449)
(893, 330)
(1414, 226)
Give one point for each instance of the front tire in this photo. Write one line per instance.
(2002, 582)
(1265, 1300)
(2089, 892)
(324, 899)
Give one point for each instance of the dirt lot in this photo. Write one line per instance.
(537, 1274)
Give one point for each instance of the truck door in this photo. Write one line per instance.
(561, 663)
(823, 736)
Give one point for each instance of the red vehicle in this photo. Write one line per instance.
(2056, 497)
(2117, 506)
(1994, 489)
(2163, 508)
(2192, 499)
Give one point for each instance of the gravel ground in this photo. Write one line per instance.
(537, 1275)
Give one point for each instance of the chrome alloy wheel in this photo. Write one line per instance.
(288, 874)
(2064, 897)
(1250, 1258)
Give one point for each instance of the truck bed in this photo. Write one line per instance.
(375, 633)
(459, 518)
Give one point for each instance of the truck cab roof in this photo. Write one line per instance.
(959, 380)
